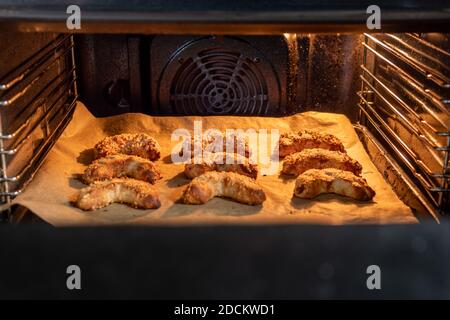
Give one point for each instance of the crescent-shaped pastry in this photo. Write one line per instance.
(137, 144)
(314, 182)
(223, 184)
(135, 193)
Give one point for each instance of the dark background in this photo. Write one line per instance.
(239, 262)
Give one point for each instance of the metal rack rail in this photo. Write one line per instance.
(404, 97)
(41, 93)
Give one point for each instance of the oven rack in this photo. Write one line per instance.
(406, 101)
(37, 100)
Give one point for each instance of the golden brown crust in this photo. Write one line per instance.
(135, 193)
(299, 162)
(315, 181)
(120, 165)
(222, 161)
(137, 144)
(240, 144)
(307, 139)
(223, 184)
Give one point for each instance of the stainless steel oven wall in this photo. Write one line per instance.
(37, 97)
(328, 73)
(211, 75)
(181, 75)
(110, 73)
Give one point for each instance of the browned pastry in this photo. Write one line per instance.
(135, 193)
(223, 184)
(120, 165)
(221, 161)
(299, 162)
(308, 139)
(315, 181)
(137, 144)
(240, 143)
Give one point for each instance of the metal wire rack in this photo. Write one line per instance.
(404, 98)
(37, 100)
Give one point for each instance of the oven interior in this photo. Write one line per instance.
(393, 86)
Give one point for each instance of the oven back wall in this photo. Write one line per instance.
(219, 75)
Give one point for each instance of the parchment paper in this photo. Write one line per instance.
(49, 194)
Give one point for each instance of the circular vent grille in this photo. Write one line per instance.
(219, 80)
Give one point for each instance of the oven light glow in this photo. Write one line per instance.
(290, 36)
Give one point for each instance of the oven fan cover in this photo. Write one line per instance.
(218, 76)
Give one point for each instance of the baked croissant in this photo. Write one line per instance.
(307, 139)
(221, 161)
(299, 162)
(135, 193)
(223, 184)
(120, 165)
(314, 182)
(138, 144)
